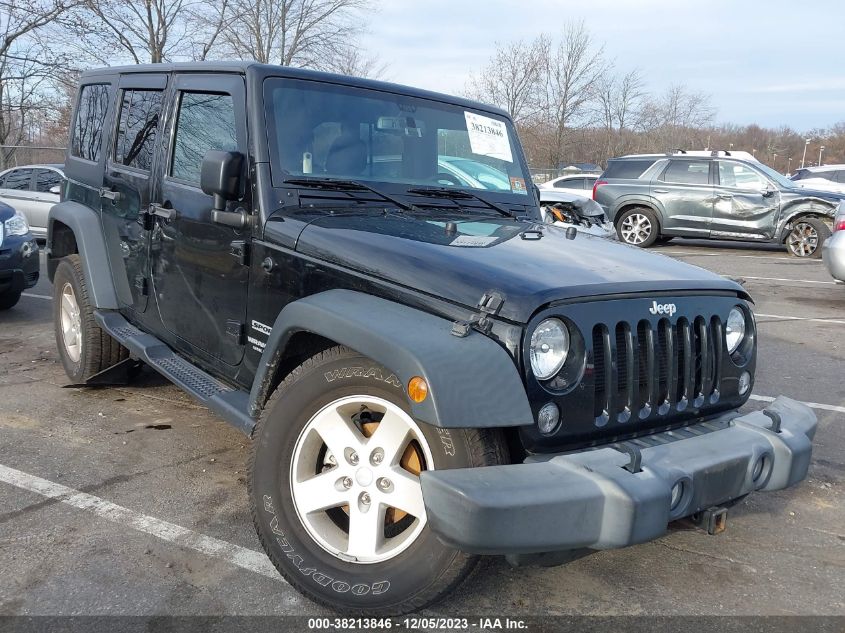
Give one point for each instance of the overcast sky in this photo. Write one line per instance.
(770, 62)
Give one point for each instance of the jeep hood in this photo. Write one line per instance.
(461, 259)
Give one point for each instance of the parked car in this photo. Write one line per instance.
(428, 373)
(833, 251)
(566, 209)
(717, 195)
(824, 178)
(578, 184)
(32, 190)
(19, 264)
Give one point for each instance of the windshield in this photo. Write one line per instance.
(331, 131)
(779, 178)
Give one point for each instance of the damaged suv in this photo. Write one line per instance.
(428, 372)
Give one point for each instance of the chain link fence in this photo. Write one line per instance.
(17, 155)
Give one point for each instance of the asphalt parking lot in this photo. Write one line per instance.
(133, 500)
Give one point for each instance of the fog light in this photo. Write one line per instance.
(744, 383)
(677, 495)
(548, 418)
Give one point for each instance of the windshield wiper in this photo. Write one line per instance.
(454, 194)
(349, 185)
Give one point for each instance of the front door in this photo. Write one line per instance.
(685, 192)
(126, 186)
(198, 267)
(746, 203)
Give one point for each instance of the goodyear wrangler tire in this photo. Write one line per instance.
(334, 487)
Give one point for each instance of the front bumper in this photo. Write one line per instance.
(19, 263)
(833, 254)
(588, 499)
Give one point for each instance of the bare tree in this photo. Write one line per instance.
(27, 68)
(356, 63)
(678, 118)
(511, 79)
(571, 71)
(307, 33)
(618, 102)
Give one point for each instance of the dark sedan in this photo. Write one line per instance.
(18, 256)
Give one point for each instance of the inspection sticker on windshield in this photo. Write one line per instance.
(488, 137)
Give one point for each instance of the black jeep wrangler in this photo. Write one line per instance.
(356, 275)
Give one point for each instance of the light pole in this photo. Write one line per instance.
(804, 156)
(775, 162)
(821, 149)
(789, 165)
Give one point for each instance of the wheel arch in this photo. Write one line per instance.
(473, 382)
(75, 228)
(800, 212)
(627, 205)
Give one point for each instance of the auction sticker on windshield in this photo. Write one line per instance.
(488, 137)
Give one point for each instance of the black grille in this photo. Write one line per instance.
(643, 370)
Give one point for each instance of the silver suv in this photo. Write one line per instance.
(716, 195)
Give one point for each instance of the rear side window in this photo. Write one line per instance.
(687, 172)
(136, 131)
(90, 118)
(626, 168)
(205, 122)
(18, 179)
(840, 175)
(46, 179)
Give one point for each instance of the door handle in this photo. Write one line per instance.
(660, 190)
(110, 194)
(161, 211)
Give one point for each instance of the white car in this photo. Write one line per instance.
(824, 178)
(32, 190)
(566, 209)
(577, 184)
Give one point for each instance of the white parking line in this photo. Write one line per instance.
(793, 318)
(812, 405)
(798, 281)
(29, 294)
(796, 260)
(243, 557)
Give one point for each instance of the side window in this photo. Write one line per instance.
(136, 130)
(205, 122)
(740, 176)
(589, 182)
(18, 179)
(90, 118)
(46, 179)
(687, 172)
(840, 175)
(562, 184)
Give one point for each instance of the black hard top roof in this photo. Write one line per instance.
(267, 70)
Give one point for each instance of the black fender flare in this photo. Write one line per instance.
(473, 382)
(91, 245)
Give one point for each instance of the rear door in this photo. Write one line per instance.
(129, 164)
(16, 191)
(199, 268)
(685, 192)
(746, 203)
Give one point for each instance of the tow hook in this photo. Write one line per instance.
(714, 520)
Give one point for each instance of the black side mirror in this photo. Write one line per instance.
(220, 177)
(769, 191)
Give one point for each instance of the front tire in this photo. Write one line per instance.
(84, 348)
(335, 493)
(9, 299)
(806, 238)
(638, 226)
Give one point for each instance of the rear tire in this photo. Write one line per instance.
(84, 348)
(638, 226)
(394, 564)
(9, 299)
(806, 238)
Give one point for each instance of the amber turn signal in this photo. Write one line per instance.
(417, 389)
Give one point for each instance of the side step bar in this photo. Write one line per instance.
(230, 404)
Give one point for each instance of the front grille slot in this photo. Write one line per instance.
(643, 369)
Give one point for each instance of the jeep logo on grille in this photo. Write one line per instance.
(663, 308)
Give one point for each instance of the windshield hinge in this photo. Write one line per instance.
(490, 304)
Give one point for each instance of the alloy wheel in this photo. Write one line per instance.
(636, 228)
(355, 479)
(803, 240)
(71, 323)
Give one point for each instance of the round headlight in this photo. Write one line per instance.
(549, 347)
(735, 329)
